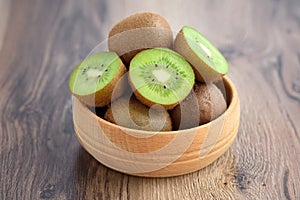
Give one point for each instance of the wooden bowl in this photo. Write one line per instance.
(157, 154)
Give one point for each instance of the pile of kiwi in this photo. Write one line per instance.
(149, 81)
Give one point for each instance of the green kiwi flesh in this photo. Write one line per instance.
(208, 62)
(210, 102)
(160, 76)
(129, 112)
(93, 80)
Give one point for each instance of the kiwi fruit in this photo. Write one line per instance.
(95, 78)
(211, 104)
(208, 63)
(186, 114)
(129, 112)
(138, 32)
(160, 76)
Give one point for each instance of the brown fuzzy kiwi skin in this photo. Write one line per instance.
(139, 32)
(104, 96)
(147, 102)
(138, 114)
(190, 112)
(203, 72)
(211, 104)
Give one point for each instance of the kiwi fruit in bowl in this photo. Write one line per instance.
(95, 78)
(129, 112)
(210, 104)
(160, 76)
(207, 61)
(138, 32)
(160, 124)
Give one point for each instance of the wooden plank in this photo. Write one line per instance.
(42, 41)
(5, 5)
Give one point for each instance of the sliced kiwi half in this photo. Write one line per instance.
(160, 76)
(207, 61)
(94, 79)
(129, 112)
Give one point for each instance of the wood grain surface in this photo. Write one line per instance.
(40, 43)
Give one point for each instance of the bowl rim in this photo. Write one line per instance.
(230, 86)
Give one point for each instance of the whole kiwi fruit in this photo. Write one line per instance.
(129, 112)
(137, 32)
(209, 100)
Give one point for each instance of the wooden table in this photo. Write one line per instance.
(41, 42)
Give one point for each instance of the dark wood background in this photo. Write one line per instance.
(40, 43)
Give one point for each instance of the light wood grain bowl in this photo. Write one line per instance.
(157, 154)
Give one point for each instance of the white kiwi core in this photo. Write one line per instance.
(205, 49)
(161, 75)
(93, 73)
